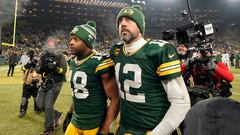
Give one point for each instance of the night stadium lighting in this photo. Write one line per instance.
(233, 0)
(139, 1)
(96, 2)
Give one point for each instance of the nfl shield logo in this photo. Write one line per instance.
(116, 51)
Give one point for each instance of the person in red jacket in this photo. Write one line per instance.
(209, 76)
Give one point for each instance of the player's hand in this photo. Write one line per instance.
(66, 121)
(103, 132)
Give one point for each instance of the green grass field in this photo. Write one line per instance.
(10, 98)
(32, 123)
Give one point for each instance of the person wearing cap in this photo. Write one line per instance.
(154, 98)
(92, 82)
(52, 66)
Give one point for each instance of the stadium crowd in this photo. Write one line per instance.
(35, 38)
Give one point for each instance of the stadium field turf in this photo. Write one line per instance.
(32, 123)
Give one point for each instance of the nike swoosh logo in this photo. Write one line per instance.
(170, 56)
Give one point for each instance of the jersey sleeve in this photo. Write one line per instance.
(112, 52)
(106, 66)
(115, 50)
(166, 59)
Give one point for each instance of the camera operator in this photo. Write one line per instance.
(31, 83)
(52, 66)
(209, 76)
(185, 54)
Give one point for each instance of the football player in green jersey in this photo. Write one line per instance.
(154, 99)
(92, 82)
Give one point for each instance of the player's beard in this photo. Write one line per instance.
(128, 38)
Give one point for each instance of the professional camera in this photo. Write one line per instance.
(199, 37)
(223, 90)
(48, 62)
(196, 33)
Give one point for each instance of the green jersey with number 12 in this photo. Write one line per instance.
(144, 101)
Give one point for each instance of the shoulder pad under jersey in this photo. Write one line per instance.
(161, 43)
(156, 47)
(97, 55)
(119, 43)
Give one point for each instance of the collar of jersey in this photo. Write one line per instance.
(132, 53)
(87, 56)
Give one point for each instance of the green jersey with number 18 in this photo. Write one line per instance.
(144, 101)
(89, 99)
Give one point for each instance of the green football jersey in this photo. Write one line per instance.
(144, 101)
(89, 99)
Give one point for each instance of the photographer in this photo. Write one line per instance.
(52, 66)
(31, 83)
(203, 75)
(209, 76)
(185, 54)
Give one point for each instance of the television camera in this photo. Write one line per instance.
(199, 36)
(196, 34)
(47, 66)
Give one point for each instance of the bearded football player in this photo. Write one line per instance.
(154, 98)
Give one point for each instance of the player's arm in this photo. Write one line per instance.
(111, 90)
(68, 118)
(180, 104)
(169, 71)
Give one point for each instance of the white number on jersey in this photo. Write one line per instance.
(136, 83)
(79, 90)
